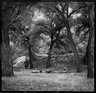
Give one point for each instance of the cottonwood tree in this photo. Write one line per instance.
(53, 30)
(25, 41)
(30, 43)
(22, 34)
(83, 7)
(10, 11)
(61, 12)
(88, 21)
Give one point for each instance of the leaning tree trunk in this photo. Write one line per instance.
(69, 34)
(30, 55)
(49, 54)
(7, 65)
(90, 42)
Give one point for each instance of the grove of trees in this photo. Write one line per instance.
(20, 25)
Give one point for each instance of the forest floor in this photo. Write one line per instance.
(25, 80)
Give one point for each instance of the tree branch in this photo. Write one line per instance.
(76, 10)
(12, 18)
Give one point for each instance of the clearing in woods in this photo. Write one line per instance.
(25, 80)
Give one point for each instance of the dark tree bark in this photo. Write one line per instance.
(90, 47)
(90, 58)
(84, 60)
(30, 55)
(26, 63)
(51, 46)
(69, 34)
(7, 64)
(49, 54)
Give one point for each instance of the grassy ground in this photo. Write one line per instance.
(25, 80)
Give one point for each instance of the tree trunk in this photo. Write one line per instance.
(7, 64)
(90, 58)
(85, 60)
(30, 57)
(69, 34)
(90, 47)
(49, 55)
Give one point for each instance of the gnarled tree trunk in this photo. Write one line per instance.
(7, 65)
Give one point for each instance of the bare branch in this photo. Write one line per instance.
(63, 7)
(77, 10)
